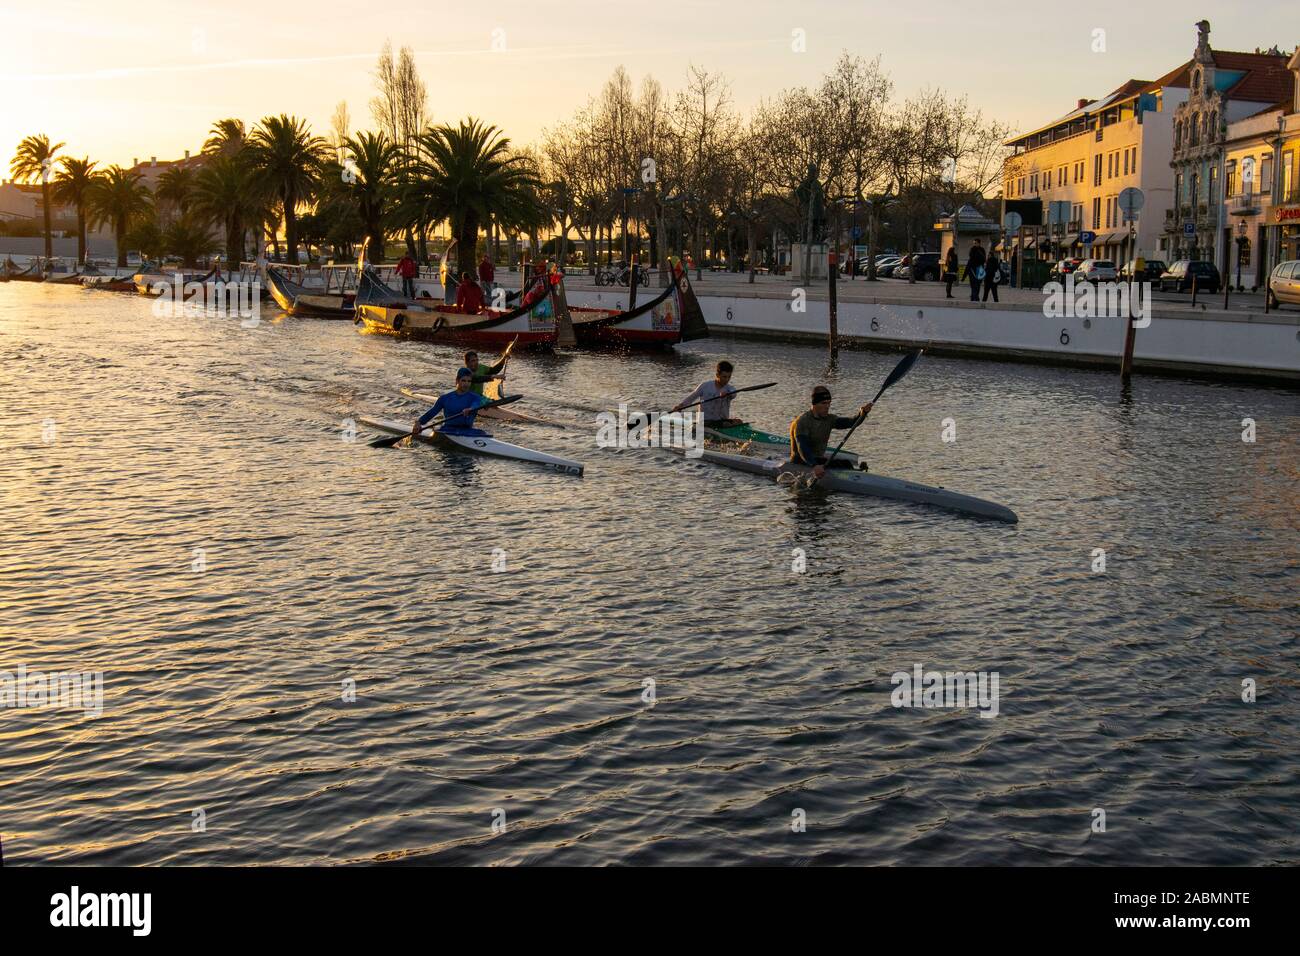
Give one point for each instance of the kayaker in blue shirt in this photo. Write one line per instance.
(452, 404)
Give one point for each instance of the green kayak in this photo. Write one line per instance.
(761, 441)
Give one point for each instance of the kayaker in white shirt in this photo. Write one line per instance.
(716, 395)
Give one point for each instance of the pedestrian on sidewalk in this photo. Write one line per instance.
(950, 267)
(975, 270)
(992, 275)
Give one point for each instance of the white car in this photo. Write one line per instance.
(1096, 270)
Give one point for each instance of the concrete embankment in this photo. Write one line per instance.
(1241, 342)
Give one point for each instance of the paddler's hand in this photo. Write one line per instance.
(416, 429)
(865, 409)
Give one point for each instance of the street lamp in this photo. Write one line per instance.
(1241, 246)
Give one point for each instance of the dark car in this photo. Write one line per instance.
(1151, 271)
(1180, 276)
(1063, 268)
(924, 266)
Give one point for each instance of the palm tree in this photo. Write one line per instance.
(176, 186)
(224, 194)
(226, 139)
(188, 238)
(119, 198)
(286, 161)
(369, 183)
(469, 171)
(35, 160)
(72, 186)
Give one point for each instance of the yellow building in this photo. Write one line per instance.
(1126, 139)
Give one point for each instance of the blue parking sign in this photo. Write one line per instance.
(1189, 229)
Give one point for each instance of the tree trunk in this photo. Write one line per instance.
(119, 236)
(753, 253)
(49, 235)
(81, 235)
(291, 230)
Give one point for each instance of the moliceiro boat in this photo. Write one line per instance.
(299, 300)
(385, 311)
(672, 316)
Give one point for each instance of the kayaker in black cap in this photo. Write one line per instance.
(810, 433)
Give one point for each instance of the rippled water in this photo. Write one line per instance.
(127, 442)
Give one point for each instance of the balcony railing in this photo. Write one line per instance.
(1244, 205)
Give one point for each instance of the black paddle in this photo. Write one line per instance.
(389, 441)
(735, 391)
(901, 369)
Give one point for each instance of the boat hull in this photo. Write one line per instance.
(863, 483)
(447, 325)
(483, 444)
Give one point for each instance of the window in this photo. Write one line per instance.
(1096, 208)
(1126, 162)
(1021, 190)
(1033, 183)
(1288, 175)
(1214, 185)
(1230, 179)
(1096, 170)
(1076, 215)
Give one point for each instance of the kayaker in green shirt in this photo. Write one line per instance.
(484, 373)
(810, 433)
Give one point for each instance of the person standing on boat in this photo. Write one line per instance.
(716, 395)
(469, 297)
(484, 373)
(407, 269)
(487, 274)
(810, 433)
(463, 399)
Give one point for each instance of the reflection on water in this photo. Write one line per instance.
(130, 445)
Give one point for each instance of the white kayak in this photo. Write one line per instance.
(500, 413)
(865, 483)
(481, 444)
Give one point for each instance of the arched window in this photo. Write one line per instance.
(1195, 131)
(1196, 82)
(1213, 132)
(1178, 134)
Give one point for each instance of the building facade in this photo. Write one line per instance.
(1085, 160)
(1224, 89)
(1164, 137)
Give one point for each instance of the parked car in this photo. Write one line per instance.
(1151, 270)
(924, 265)
(885, 267)
(1284, 283)
(1180, 276)
(1063, 268)
(1095, 270)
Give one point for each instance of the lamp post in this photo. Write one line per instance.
(1241, 246)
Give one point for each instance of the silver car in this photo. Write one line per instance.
(1095, 270)
(1284, 282)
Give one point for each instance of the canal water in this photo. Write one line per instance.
(317, 652)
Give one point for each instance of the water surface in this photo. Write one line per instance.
(128, 443)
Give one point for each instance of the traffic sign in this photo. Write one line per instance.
(1131, 201)
(1189, 229)
(1012, 221)
(1087, 237)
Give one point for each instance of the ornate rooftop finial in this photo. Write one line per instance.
(1202, 39)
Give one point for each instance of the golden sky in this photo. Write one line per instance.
(120, 80)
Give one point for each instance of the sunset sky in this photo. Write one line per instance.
(124, 80)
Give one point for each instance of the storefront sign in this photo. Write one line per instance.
(1283, 215)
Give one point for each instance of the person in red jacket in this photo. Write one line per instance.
(487, 274)
(407, 269)
(469, 297)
